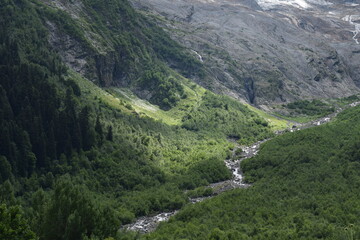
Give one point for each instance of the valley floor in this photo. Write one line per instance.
(149, 223)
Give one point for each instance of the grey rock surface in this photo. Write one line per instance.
(268, 51)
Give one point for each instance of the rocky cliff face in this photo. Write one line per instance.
(86, 51)
(111, 44)
(268, 51)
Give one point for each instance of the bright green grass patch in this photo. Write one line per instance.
(298, 119)
(92, 92)
(275, 122)
(123, 99)
(171, 117)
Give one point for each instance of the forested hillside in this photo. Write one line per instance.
(75, 161)
(100, 124)
(305, 186)
(112, 45)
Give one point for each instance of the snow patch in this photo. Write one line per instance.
(352, 4)
(351, 19)
(198, 55)
(302, 4)
(269, 4)
(319, 2)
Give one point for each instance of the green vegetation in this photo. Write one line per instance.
(200, 192)
(305, 110)
(173, 116)
(166, 91)
(222, 115)
(275, 123)
(13, 225)
(347, 100)
(122, 47)
(305, 186)
(310, 108)
(80, 162)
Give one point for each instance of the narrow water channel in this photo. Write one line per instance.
(149, 223)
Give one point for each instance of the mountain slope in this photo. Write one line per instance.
(112, 45)
(267, 52)
(77, 162)
(305, 186)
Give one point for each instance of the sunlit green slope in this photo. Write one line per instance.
(305, 186)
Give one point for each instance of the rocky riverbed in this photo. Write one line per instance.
(149, 223)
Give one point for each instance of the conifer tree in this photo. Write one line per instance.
(109, 135)
(13, 225)
(99, 131)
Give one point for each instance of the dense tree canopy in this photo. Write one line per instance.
(79, 168)
(305, 186)
(73, 167)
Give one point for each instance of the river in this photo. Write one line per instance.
(149, 223)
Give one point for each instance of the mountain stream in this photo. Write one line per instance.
(147, 224)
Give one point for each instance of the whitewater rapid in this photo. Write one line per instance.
(148, 224)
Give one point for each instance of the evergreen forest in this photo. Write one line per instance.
(78, 161)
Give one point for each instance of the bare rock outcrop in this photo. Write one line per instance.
(267, 52)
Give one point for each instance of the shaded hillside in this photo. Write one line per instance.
(112, 45)
(77, 162)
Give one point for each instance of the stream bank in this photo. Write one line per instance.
(148, 224)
